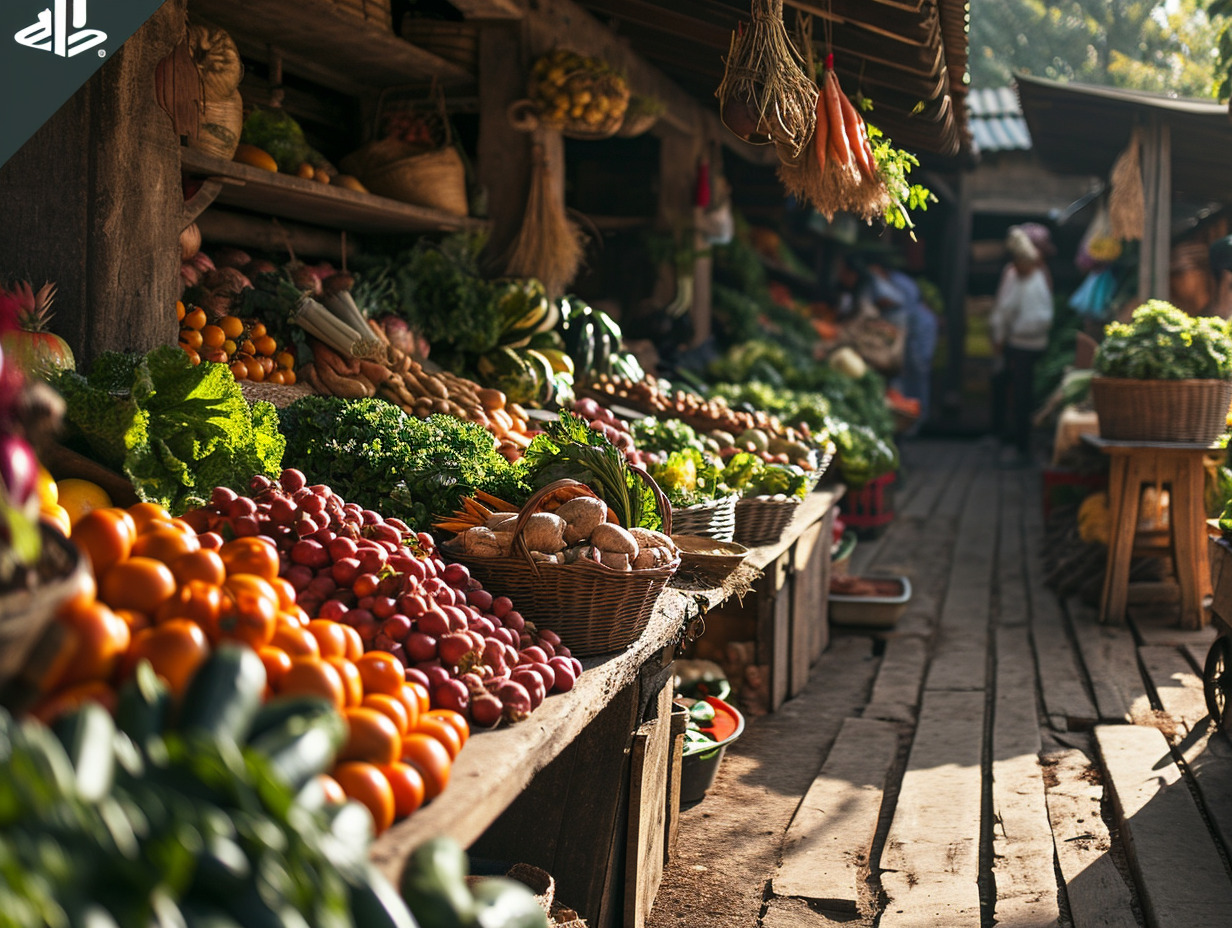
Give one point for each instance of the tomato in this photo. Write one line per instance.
(105, 536)
(352, 683)
(285, 360)
(195, 319)
(204, 565)
(196, 600)
(251, 583)
(256, 329)
(296, 641)
(277, 662)
(191, 340)
(354, 644)
(175, 649)
(442, 731)
(288, 377)
(232, 326)
(180, 311)
(407, 786)
(135, 621)
(99, 640)
(165, 544)
(250, 610)
(392, 707)
(367, 785)
(311, 676)
(265, 345)
(144, 513)
(277, 376)
(381, 672)
(140, 583)
(418, 694)
(329, 636)
(286, 592)
(295, 616)
(213, 336)
(456, 719)
(334, 794)
(429, 757)
(251, 555)
(371, 736)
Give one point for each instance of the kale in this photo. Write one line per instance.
(1163, 343)
(665, 435)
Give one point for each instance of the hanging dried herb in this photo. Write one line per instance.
(548, 247)
(765, 95)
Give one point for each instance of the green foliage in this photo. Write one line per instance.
(1140, 44)
(1163, 343)
(750, 475)
(1220, 13)
(689, 477)
(894, 165)
(176, 430)
(372, 453)
(665, 436)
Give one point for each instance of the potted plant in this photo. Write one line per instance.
(1164, 376)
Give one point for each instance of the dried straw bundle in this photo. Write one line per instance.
(765, 95)
(548, 246)
(1126, 201)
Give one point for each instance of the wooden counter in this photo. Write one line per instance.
(554, 791)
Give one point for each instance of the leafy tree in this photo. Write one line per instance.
(1220, 11)
(1168, 47)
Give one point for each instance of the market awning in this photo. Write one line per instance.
(1080, 129)
(908, 56)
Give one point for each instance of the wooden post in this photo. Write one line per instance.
(94, 202)
(959, 239)
(503, 163)
(1160, 213)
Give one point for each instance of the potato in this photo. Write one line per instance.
(481, 541)
(610, 537)
(502, 521)
(544, 531)
(648, 538)
(581, 514)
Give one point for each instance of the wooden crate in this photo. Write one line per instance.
(377, 12)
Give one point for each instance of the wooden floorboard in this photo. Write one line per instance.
(1097, 895)
(1111, 661)
(1208, 757)
(1176, 683)
(1181, 878)
(896, 694)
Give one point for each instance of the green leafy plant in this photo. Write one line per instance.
(1163, 343)
(894, 165)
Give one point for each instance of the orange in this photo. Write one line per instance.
(456, 719)
(165, 544)
(140, 583)
(250, 610)
(197, 600)
(202, 565)
(442, 731)
(392, 707)
(334, 795)
(232, 326)
(330, 636)
(381, 672)
(145, 513)
(191, 338)
(416, 693)
(79, 497)
(288, 377)
(256, 372)
(251, 555)
(180, 311)
(175, 649)
(296, 641)
(58, 704)
(371, 736)
(277, 662)
(136, 621)
(286, 592)
(367, 785)
(239, 370)
(106, 536)
(408, 787)
(213, 337)
(354, 644)
(285, 360)
(352, 685)
(100, 638)
(278, 376)
(265, 345)
(195, 319)
(429, 757)
(256, 329)
(311, 676)
(193, 357)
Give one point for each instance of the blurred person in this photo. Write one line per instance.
(1221, 269)
(920, 337)
(1019, 324)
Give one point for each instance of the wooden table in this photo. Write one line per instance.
(1179, 466)
(580, 787)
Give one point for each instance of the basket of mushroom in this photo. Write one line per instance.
(571, 567)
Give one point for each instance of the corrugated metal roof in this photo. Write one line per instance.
(996, 121)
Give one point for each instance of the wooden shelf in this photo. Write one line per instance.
(320, 204)
(317, 39)
(497, 766)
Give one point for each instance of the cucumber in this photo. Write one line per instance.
(610, 326)
(87, 734)
(580, 343)
(224, 694)
(434, 884)
(603, 351)
(504, 903)
(376, 904)
(302, 747)
(144, 706)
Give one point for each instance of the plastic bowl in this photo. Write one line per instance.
(697, 771)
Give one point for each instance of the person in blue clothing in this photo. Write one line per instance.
(915, 381)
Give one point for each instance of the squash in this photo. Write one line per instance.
(250, 154)
(218, 61)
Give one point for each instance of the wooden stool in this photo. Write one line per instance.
(1179, 466)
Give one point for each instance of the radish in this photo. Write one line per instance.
(480, 599)
(546, 634)
(299, 576)
(309, 553)
(397, 627)
(565, 677)
(383, 607)
(453, 647)
(333, 609)
(533, 684)
(532, 655)
(515, 701)
(501, 606)
(486, 710)
(436, 676)
(546, 674)
(420, 647)
(345, 569)
(415, 675)
(512, 619)
(452, 694)
(433, 622)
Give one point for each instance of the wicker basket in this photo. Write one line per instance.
(455, 42)
(594, 609)
(714, 518)
(762, 520)
(434, 180)
(1161, 410)
(377, 12)
(281, 395)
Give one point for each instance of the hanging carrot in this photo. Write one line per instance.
(834, 113)
(853, 123)
(822, 133)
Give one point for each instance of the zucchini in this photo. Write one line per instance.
(376, 904)
(504, 903)
(88, 736)
(303, 746)
(144, 706)
(434, 884)
(224, 694)
(277, 712)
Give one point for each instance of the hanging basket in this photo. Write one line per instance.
(594, 609)
(1161, 410)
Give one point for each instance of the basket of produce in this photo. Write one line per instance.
(571, 567)
(407, 173)
(771, 495)
(1164, 376)
(876, 602)
(583, 97)
(712, 725)
(714, 518)
(708, 557)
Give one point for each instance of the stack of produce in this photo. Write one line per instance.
(592, 339)
(243, 345)
(577, 93)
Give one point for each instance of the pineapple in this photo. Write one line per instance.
(31, 346)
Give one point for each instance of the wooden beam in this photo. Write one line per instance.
(504, 154)
(491, 9)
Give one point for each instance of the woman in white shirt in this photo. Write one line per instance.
(1019, 325)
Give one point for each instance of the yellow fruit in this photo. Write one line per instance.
(258, 158)
(57, 516)
(81, 496)
(305, 170)
(350, 183)
(47, 492)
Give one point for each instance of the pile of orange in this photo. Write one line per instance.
(246, 346)
(167, 595)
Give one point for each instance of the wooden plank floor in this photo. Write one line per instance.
(1050, 773)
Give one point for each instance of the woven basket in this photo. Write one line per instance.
(1161, 410)
(281, 395)
(714, 518)
(762, 520)
(594, 609)
(434, 180)
(455, 42)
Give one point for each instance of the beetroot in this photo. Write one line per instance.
(486, 710)
(515, 701)
(452, 694)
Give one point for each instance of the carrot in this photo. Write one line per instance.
(822, 133)
(839, 146)
(495, 503)
(856, 134)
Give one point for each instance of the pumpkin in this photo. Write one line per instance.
(218, 61)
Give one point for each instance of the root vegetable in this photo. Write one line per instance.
(565, 676)
(532, 655)
(486, 710)
(453, 647)
(515, 701)
(532, 682)
(452, 694)
(420, 647)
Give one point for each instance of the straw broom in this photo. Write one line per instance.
(548, 247)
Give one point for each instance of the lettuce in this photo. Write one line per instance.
(176, 430)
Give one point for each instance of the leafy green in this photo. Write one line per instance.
(372, 453)
(862, 453)
(568, 448)
(1163, 343)
(665, 436)
(176, 430)
(750, 475)
(689, 477)
(894, 164)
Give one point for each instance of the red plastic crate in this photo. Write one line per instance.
(870, 509)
